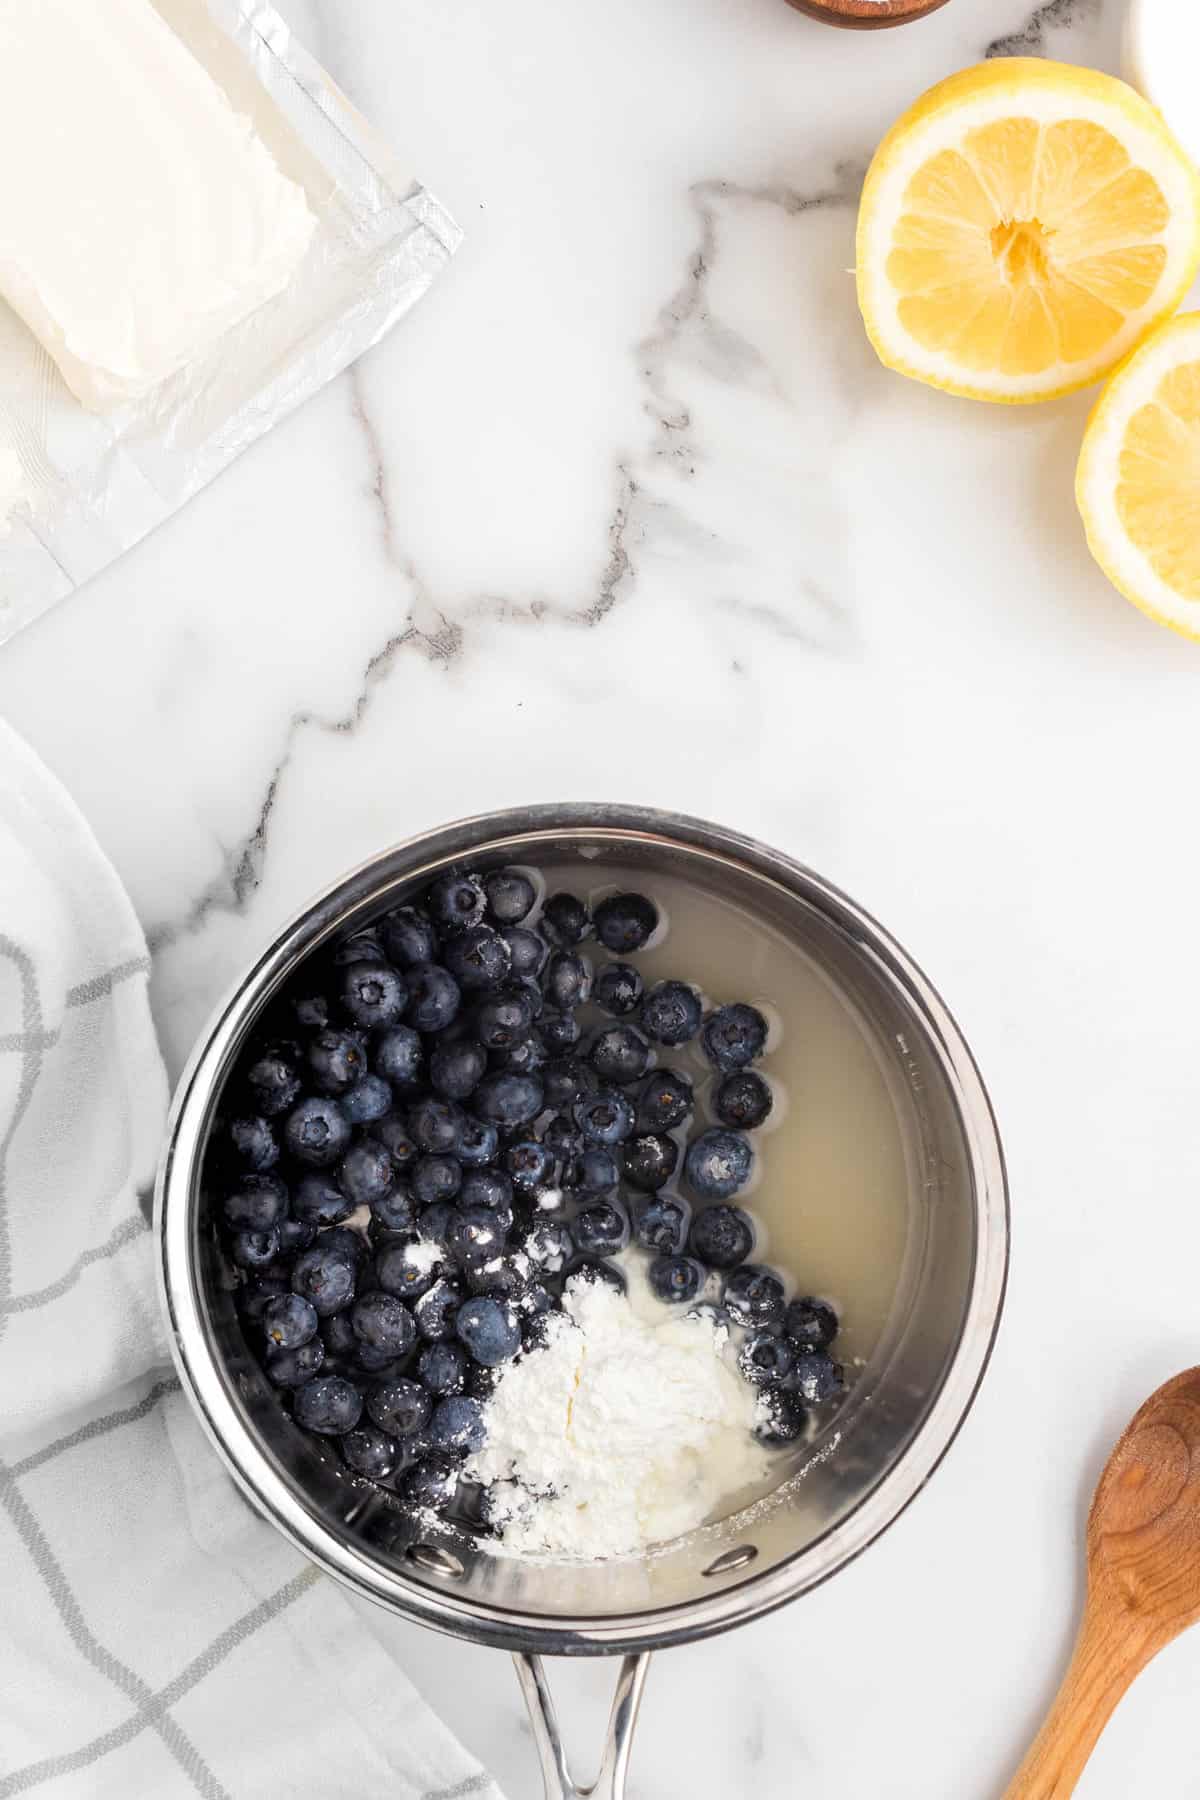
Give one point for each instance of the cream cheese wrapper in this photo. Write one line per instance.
(202, 233)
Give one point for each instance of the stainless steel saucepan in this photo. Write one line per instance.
(893, 1429)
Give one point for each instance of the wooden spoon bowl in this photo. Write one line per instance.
(1143, 1562)
(866, 15)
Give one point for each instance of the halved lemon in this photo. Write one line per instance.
(1138, 484)
(1022, 228)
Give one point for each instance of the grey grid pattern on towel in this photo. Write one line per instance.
(156, 1638)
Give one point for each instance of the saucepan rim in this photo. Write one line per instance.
(431, 1598)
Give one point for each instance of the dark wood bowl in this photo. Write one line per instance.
(866, 15)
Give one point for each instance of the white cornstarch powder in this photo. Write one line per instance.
(626, 1429)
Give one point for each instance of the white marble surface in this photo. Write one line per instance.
(627, 510)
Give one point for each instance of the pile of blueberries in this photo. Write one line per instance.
(435, 1070)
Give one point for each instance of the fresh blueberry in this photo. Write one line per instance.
(435, 1125)
(719, 1164)
(289, 1321)
(660, 1224)
(373, 994)
(713, 1314)
(489, 1328)
(456, 1069)
(457, 1428)
(433, 1225)
(255, 1249)
(502, 1019)
(722, 1236)
(626, 922)
(433, 997)
(526, 1057)
(366, 1173)
(676, 1278)
(394, 1213)
(329, 1404)
(814, 1376)
(256, 1203)
(507, 1277)
(370, 1452)
(254, 1296)
(568, 980)
(812, 1324)
(273, 1083)
(383, 1322)
(455, 902)
(734, 1036)
(400, 1406)
(443, 1369)
(294, 1234)
(618, 989)
(605, 1118)
(363, 945)
(743, 1100)
(478, 1143)
(766, 1357)
(649, 1161)
(316, 1131)
(324, 1276)
(436, 1310)
(753, 1296)
(550, 1247)
(586, 1268)
(487, 1187)
(476, 1235)
(562, 1138)
(435, 1178)
(526, 949)
(510, 895)
(336, 1060)
(368, 1100)
(406, 1270)
(479, 958)
(384, 1365)
(664, 1101)
(780, 1417)
(535, 1306)
(566, 920)
(430, 1485)
(566, 1080)
(529, 1164)
(560, 1031)
(672, 1013)
(338, 1336)
(620, 1053)
(602, 1229)
(392, 1133)
(254, 1143)
(408, 937)
(399, 1056)
(341, 1241)
(594, 1170)
(505, 1098)
(292, 1368)
(310, 1009)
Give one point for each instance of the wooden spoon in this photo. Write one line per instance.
(1143, 1560)
(866, 15)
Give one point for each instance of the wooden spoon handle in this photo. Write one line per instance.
(1104, 1664)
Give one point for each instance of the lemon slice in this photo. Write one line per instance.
(1138, 484)
(1022, 228)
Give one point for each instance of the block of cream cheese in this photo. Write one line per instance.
(140, 216)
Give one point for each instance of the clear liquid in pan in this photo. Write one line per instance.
(830, 1194)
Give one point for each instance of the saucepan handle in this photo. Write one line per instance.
(560, 1783)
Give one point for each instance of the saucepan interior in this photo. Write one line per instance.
(943, 1284)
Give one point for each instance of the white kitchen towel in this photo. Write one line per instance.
(156, 1638)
